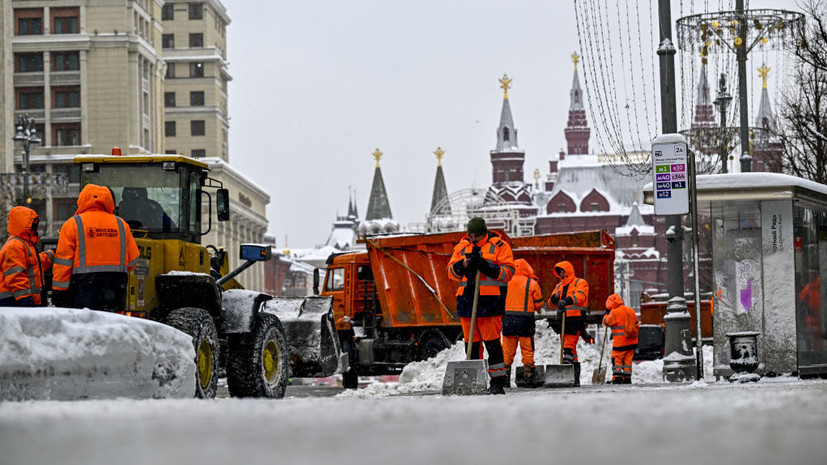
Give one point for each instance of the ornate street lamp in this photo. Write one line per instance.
(26, 133)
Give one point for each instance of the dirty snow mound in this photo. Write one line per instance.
(68, 354)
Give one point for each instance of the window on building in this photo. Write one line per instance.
(197, 99)
(594, 207)
(64, 209)
(169, 128)
(65, 61)
(197, 69)
(561, 208)
(168, 40)
(29, 98)
(65, 20)
(196, 10)
(66, 97)
(171, 152)
(196, 40)
(198, 153)
(66, 134)
(197, 128)
(170, 73)
(28, 62)
(28, 21)
(505, 134)
(169, 99)
(168, 12)
(70, 170)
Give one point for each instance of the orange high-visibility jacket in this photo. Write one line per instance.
(496, 252)
(576, 288)
(523, 298)
(623, 322)
(21, 265)
(94, 240)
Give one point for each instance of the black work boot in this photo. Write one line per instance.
(507, 376)
(496, 385)
(577, 373)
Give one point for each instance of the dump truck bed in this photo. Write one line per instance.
(413, 287)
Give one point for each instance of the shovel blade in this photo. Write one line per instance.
(466, 378)
(559, 376)
(599, 376)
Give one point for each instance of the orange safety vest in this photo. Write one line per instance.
(21, 265)
(576, 288)
(94, 240)
(623, 322)
(523, 298)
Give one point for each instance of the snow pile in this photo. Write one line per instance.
(428, 375)
(65, 354)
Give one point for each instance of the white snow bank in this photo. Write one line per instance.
(66, 354)
(428, 375)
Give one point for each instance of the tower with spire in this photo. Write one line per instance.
(378, 218)
(767, 149)
(440, 190)
(507, 159)
(704, 129)
(577, 129)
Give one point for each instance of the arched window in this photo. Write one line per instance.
(505, 134)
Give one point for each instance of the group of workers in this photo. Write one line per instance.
(90, 265)
(506, 294)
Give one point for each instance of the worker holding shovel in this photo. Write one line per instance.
(624, 324)
(571, 297)
(485, 252)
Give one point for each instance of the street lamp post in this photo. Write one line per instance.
(721, 102)
(26, 133)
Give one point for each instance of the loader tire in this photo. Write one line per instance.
(350, 378)
(431, 343)
(258, 362)
(197, 323)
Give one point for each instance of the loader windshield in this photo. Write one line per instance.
(149, 197)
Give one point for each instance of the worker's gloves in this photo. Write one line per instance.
(27, 301)
(587, 337)
(561, 305)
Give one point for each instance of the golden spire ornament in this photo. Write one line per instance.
(439, 153)
(763, 71)
(575, 58)
(505, 83)
(377, 154)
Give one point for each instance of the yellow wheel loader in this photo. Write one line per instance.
(259, 339)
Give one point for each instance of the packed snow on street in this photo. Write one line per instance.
(772, 421)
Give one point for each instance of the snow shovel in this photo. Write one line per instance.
(467, 377)
(599, 375)
(560, 375)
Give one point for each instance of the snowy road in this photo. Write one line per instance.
(781, 422)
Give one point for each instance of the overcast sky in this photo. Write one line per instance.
(319, 85)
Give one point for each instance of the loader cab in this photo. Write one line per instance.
(161, 195)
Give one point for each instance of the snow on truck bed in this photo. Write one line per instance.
(68, 354)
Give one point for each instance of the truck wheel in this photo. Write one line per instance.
(199, 324)
(350, 378)
(431, 343)
(257, 362)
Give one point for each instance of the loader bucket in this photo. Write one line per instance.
(311, 335)
(559, 376)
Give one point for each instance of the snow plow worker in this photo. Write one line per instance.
(95, 250)
(571, 295)
(22, 266)
(486, 252)
(523, 298)
(624, 324)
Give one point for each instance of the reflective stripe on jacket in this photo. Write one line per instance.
(623, 322)
(94, 240)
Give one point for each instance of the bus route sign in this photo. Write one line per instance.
(669, 168)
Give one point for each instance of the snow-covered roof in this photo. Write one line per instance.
(751, 186)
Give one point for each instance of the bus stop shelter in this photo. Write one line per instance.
(769, 251)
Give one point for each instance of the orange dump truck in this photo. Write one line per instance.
(394, 303)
